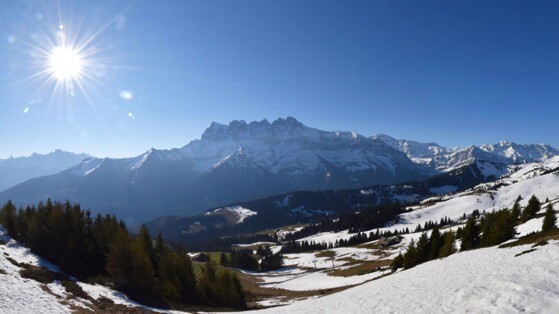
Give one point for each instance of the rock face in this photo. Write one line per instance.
(235, 162)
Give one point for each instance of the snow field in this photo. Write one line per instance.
(489, 280)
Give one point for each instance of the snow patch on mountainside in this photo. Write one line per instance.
(241, 212)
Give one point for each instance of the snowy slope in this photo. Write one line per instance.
(490, 280)
(23, 295)
(16, 292)
(485, 280)
(532, 179)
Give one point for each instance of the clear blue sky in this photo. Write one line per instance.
(454, 72)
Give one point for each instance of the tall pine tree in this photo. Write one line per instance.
(436, 242)
(470, 235)
(448, 247)
(549, 220)
(516, 208)
(531, 209)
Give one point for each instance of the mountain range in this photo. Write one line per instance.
(242, 161)
(17, 170)
(442, 158)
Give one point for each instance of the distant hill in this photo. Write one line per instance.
(17, 170)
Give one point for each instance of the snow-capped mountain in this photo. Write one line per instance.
(234, 162)
(522, 153)
(444, 159)
(422, 153)
(17, 170)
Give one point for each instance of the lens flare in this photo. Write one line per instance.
(65, 63)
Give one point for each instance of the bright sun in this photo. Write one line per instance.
(65, 63)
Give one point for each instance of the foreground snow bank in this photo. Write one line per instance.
(18, 294)
(485, 280)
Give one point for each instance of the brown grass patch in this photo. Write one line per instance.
(534, 238)
(326, 253)
(361, 269)
(39, 274)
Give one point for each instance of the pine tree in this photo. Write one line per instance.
(497, 227)
(209, 282)
(8, 218)
(167, 275)
(549, 220)
(458, 234)
(159, 244)
(176, 277)
(448, 247)
(531, 209)
(422, 249)
(410, 257)
(470, 235)
(131, 269)
(144, 284)
(146, 244)
(398, 262)
(436, 243)
(119, 259)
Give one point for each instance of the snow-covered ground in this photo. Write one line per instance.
(20, 295)
(489, 280)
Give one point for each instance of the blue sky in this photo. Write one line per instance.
(454, 72)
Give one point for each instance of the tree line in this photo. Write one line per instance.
(101, 249)
(358, 238)
(479, 231)
(371, 218)
(263, 259)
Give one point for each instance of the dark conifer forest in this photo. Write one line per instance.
(101, 249)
